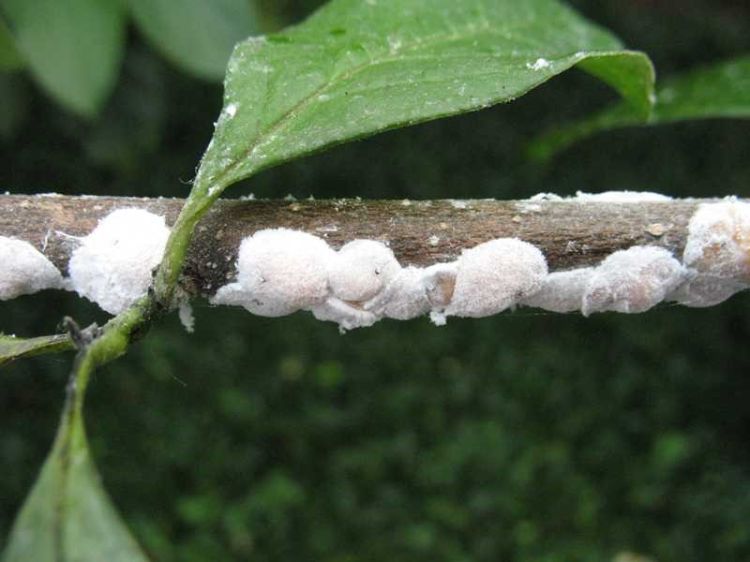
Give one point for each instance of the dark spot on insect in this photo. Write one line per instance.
(337, 31)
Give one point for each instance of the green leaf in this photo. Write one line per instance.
(10, 59)
(358, 67)
(13, 104)
(130, 128)
(12, 348)
(68, 516)
(718, 91)
(72, 47)
(196, 35)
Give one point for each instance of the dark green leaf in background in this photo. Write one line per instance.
(196, 35)
(68, 516)
(132, 124)
(72, 47)
(717, 91)
(12, 348)
(13, 103)
(10, 59)
(359, 67)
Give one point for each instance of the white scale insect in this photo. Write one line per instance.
(280, 271)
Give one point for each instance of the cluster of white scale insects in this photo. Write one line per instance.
(112, 266)
(281, 271)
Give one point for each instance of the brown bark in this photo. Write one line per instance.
(570, 233)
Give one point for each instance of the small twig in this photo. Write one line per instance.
(571, 233)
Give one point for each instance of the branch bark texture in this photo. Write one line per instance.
(571, 233)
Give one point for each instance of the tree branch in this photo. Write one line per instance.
(570, 233)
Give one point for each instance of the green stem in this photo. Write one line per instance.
(128, 325)
(121, 330)
(168, 275)
(99, 347)
(113, 341)
(67, 500)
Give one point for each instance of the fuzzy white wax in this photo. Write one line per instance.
(494, 276)
(717, 251)
(439, 281)
(347, 315)
(24, 269)
(633, 280)
(361, 269)
(279, 271)
(621, 197)
(114, 264)
(405, 297)
(561, 291)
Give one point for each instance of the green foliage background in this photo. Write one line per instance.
(526, 436)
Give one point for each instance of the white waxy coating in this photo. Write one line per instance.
(24, 269)
(279, 271)
(717, 251)
(494, 276)
(561, 291)
(621, 197)
(346, 315)
(440, 283)
(633, 280)
(706, 290)
(361, 269)
(405, 297)
(114, 264)
(186, 316)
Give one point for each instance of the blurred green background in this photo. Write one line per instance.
(523, 437)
